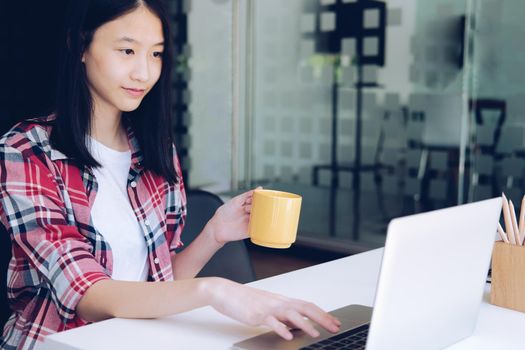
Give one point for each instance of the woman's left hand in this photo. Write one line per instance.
(230, 222)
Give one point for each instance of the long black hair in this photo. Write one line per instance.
(151, 121)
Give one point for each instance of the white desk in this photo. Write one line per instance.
(350, 280)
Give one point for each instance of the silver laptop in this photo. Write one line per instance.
(430, 287)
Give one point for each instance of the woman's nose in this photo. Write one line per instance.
(141, 70)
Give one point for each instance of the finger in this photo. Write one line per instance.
(307, 305)
(248, 200)
(247, 196)
(300, 322)
(248, 208)
(278, 327)
(289, 324)
(243, 196)
(319, 316)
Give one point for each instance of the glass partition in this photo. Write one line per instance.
(497, 101)
(359, 106)
(369, 109)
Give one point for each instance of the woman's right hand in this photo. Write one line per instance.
(256, 307)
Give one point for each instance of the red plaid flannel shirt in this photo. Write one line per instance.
(45, 204)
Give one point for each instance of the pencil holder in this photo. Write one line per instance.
(508, 276)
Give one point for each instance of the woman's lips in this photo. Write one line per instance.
(134, 92)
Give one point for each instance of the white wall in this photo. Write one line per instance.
(210, 39)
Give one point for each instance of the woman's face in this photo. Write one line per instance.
(124, 61)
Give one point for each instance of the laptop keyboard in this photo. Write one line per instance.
(352, 339)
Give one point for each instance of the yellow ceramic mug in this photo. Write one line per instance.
(274, 218)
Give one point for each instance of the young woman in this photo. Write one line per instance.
(93, 198)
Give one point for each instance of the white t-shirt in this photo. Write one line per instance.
(113, 215)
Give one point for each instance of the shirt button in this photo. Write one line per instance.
(133, 184)
(156, 261)
(146, 222)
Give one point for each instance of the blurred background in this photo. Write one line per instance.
(369, 109)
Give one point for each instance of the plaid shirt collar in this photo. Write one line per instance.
(136, 154)
(86, 173)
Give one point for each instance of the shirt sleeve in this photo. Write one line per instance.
(33, 212)
(176, 207)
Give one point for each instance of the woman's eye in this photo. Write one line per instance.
(127, 51)
(157, 54)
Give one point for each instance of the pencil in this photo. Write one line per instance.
(522, 220)
(514, 223)
(508, 220)
(502, 234)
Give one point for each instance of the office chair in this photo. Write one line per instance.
(5, 256)
(232, 260)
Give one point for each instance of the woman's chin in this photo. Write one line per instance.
(129, 107)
